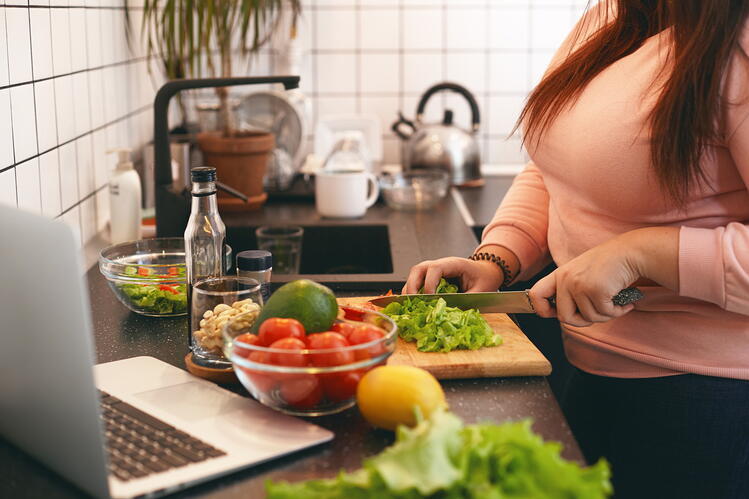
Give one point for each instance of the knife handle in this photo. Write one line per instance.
(623, 297)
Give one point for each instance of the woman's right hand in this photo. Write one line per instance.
(475, 276)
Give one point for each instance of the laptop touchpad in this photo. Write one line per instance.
(192, 401)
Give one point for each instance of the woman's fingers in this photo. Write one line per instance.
(415, 278)
(540, 293)
(474, 276)
(432, 278)
(574, 308)
(589, 309)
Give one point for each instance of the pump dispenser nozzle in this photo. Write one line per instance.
(123, 157)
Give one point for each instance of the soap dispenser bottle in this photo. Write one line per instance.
(124, 199)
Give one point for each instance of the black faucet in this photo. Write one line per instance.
(172, 208)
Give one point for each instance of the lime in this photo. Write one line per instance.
(312, 304)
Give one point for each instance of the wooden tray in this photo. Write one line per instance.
(516, 356)
(221, 376)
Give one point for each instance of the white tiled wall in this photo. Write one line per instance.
(379, 56)
(69, 90)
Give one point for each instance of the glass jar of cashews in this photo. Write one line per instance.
(215, 301)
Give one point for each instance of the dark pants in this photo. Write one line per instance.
(684, 436)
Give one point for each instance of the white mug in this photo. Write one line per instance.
(343, 194)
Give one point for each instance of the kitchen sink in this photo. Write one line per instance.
(332, 249)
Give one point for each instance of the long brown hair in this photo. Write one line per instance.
(684, 119)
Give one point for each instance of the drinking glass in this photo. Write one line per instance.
(285, 244)
(214, 301)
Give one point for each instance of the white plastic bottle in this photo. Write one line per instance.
(124, 199)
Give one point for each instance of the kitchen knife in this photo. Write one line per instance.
(506, 302)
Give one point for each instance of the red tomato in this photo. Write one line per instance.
(353, 314)
(343, 328)
(302, 392)
(329, 340)
(247, 339)
(294, 358)
(366, 334)
(275, 328)
(341, 386)
(259, 357)
(144, 271)
(261, 380)
(173, 270)
(166, 287)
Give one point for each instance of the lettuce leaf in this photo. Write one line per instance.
(435, 327)
(442, 458)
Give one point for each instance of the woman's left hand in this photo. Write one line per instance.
(583, 287)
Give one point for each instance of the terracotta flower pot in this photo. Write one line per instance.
(240, 163)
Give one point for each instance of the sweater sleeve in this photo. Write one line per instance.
(714, 262)
(521, 222)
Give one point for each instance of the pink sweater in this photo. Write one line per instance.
(590, 179)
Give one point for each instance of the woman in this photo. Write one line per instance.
(639, 139)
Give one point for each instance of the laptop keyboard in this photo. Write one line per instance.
(139, 444)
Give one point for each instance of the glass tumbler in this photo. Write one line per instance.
(284, 243)
(214, 302)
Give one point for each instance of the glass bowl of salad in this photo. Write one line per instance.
(148, 275)
(308, 374)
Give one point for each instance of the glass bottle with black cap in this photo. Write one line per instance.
(205, 234)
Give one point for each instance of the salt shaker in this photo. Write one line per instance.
(256, 264)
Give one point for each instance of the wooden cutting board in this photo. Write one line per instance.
(516, 356)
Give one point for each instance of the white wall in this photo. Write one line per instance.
(69, 90)
(378, 56)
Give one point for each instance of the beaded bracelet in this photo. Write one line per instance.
(491, 257)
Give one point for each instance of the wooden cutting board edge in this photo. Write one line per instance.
(461, 364)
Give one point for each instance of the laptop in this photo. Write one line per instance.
(134, 427)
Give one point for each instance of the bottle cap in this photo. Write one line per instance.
(254, 260)
(203, 174)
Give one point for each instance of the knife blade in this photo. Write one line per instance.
(506, 302)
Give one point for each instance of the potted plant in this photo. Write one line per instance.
(197, 38)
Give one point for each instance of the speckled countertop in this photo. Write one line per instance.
(122, 334)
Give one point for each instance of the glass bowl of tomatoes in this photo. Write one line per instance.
(303, 374)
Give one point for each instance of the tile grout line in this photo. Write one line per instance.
(10, 104)
(36, 121)
(75, 142)
(358, 55)
(90, 132)
(487, 82)
(73, 73)
(57, 121)
(91, 122)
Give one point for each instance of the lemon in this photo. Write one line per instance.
(387, 395)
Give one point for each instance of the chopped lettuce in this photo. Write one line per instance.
(163, 297)
(435, 327)
(442, 458)
(157, 299)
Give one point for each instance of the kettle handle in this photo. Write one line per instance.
(475, 116)
(402, 121)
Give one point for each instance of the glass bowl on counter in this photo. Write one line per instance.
(310, 382)
(148, 275)
(414, 190)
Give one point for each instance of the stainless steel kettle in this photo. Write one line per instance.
(443, 145)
